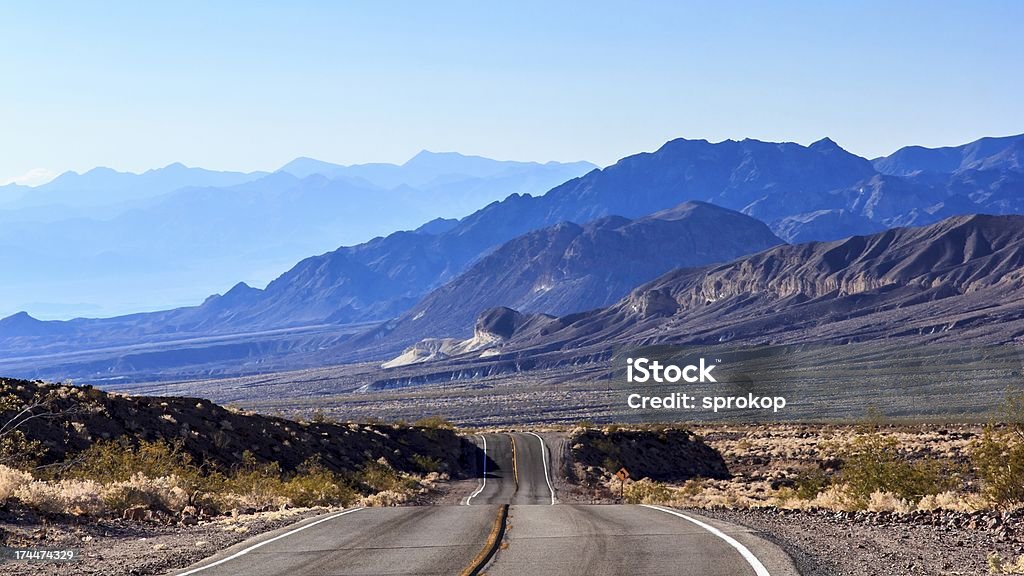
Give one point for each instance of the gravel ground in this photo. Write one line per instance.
(870, 544)
(122, 548)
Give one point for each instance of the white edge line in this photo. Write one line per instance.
(544, 457)
(484, 484)
(756, 564)
(265, 542)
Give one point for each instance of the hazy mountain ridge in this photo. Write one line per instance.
(570, 268)
(187, 227)
(982, 154)
(960, 280)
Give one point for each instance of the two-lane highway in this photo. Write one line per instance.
(513, 469)
(421, 540)
(540, 537)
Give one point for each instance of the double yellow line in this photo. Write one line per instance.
(498, 527)
(491, 545)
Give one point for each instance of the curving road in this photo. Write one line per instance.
(540, 537)
(512, 470)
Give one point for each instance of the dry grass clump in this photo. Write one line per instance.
(999, 565)
(11, 479)
(386, 498)
(75, 497)
(111, 479)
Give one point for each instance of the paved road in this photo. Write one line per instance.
(541, 538)
(421, 540)
(611, 540)
(514, 471)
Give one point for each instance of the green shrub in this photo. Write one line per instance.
(435, 422)
(315, 485)
(427, 464)
(873, 462)
(810, 483)
(998, 456)
(257, 485)
(109, 461)
(379, 476)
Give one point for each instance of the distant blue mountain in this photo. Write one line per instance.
(816, 192)
(105, 186)
(984, 154)
(430, 170)
(114, 242)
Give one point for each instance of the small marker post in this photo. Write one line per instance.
(622, 475)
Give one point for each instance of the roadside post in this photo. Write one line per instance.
(622, 475)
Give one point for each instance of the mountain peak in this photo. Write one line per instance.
(825, 143)
(18, 317)
(427, 156)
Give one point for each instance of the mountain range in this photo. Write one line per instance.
(958, 282)
(511, 252)
(569, 268)
(122, 241)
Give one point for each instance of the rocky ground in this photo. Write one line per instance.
(126, 548)
(872, 544)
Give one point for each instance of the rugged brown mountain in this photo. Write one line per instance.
(958, 281)
(569, 268)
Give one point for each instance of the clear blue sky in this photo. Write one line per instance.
(242, 86)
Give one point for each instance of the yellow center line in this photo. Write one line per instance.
(515, 464)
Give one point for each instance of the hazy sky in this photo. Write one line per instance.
(242, 86)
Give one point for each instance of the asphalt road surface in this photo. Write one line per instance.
(542, 537)
(514, 470)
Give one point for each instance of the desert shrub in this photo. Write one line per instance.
(16, 449)
(114, 461)
(11, 479)
(435, 422)
(998, 456)
(165, 493)
(427, 463)
(880, 501)
(315, 485)
(873, 463)
(951, 500)
(256, 485)
(809, 483)
(321, 417)
(998, 459)
(998, 565)
(692, 488)
(646, 491)
(75, 497)
(379, 476)
(386, 498)
(837, 498)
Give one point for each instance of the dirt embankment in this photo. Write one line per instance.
(666, 455)
(71, 418)
(182, 477)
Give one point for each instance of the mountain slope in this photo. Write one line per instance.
(180, 245)
(960, 280)
(984, 154)
(569, 268)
